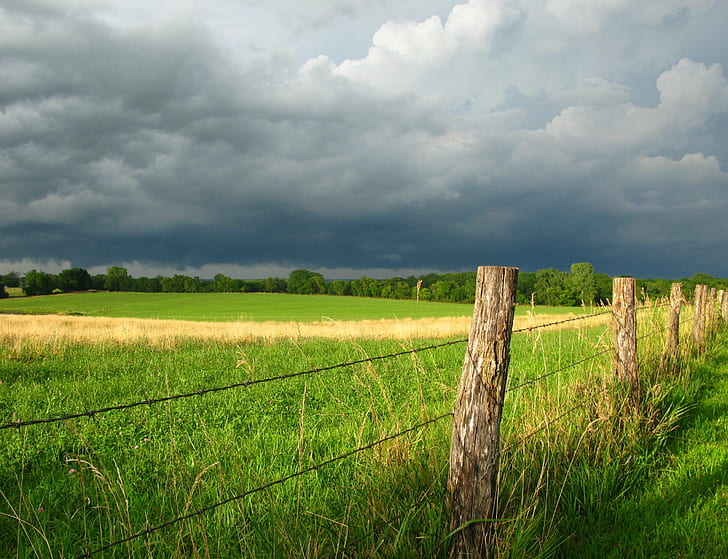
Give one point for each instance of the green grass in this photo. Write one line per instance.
(230, 306)
(594, 482)
(681, 506)
(168, 459)
(281, 307)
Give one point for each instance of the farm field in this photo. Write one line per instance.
(76, 318)
(241, 307)
(77, 485)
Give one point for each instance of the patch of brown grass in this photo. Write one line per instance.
(47, 330)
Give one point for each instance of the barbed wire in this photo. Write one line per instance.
(560, 370)
(151, 401)
(549, 324)
(547, 424)
(382, 525)
(268, 485)
(586, 359)
(243, 384)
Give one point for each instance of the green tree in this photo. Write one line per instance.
(583, 283)
(305, 282)
(74, 279)
(603, 286)
(551, 288)
(339, 287)
(525, 287)
(224, 284)
(38, 283)
(118, 279)
(366, 287)
(181, 284)
(148, 285)
(11, 279)
(192, 284)
(275, 285)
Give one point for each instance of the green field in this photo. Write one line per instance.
(594, 484)
(240, 306)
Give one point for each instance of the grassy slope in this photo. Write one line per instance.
(682, 510)
(238, 306)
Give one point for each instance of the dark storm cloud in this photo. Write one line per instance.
(443, 148)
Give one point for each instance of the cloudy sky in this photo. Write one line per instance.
(384, 138)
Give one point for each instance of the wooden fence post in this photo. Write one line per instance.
(723, 305)
(711, 311)
(475, 448)
(624, 333)
(701, 296)
(672, 342)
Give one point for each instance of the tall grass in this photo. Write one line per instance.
(67, 487)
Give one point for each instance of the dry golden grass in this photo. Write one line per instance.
(56, 329)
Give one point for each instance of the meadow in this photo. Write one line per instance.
(72, 487)
(227, 307)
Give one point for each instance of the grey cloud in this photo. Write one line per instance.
(150, 144)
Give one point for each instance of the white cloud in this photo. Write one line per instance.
(255, 134)
(689, 93)
(409, 56)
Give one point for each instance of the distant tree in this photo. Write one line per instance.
(603, 286)
(366, 287)
(653, 288)
(339, 287)
(118, 279)
(252, 286)
(275, 285)
(192, 284)
(525, 287)
(305, 282)
(98, 282)
(11, 279)
(74, 279)
(445, 290)
(223, 284)
(551, 288)
(583, 283)
(38, 283)
(395, 288)
(425, 294)
(148, 285)
(169, 285)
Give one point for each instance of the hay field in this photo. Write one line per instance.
(51, 329)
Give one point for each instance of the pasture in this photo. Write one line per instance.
(74, 486)
(243, 307)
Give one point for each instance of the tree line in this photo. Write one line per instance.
(580, 285)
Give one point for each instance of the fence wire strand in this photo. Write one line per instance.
(18, 424)
(268, 485)
(245, 384)
(555, 420)
(558, 322)
(560, 370)
(382, 525)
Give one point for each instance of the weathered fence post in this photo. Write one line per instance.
(711, 311)
(723, 305)
(624, 333)
(701, 296)
(475, 448)
(672, 342)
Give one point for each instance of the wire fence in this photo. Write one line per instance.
(301, 472)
